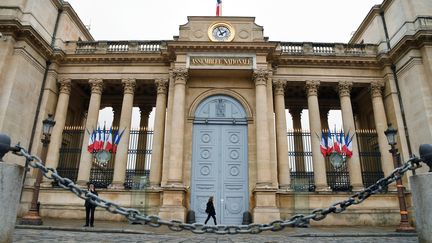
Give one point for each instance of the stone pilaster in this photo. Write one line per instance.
(174, 190)
(91, 123)
(125, 123)
(159, 132)
(262, 134)
(281, 135)
(315, 128)
(354, 166)
(265, 194)
(381, 126)
(53, 153)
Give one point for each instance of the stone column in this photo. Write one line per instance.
(324, 112)
(298, 139)
(142, 138)
(175, 171)
(281, 135)
(262, 133)
(116, 115)
(174, 191)
(381, 126)
(265, 194)
(159, 132)
(354, 166)
(91, 123)
(53, 154)
(320, 175)
(121, 156)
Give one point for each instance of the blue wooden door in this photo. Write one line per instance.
(220, 166)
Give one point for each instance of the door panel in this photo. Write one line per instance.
(219, 169)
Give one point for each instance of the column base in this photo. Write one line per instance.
(116, 186)
(172, 204)
(31, 218)
(266, 209)
(323, 189)
(357, 188)
(405, 227)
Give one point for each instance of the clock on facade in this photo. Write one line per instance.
(221, 32)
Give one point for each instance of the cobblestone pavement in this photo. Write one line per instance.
(38, 235)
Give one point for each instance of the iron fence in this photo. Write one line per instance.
(300, 162)
(138, 160)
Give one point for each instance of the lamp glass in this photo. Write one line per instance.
(48, 124)
(391, 135)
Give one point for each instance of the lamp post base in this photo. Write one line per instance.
(31, 218)
(405, 227)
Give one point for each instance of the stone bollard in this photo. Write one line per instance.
(422, 197)
(10, 189)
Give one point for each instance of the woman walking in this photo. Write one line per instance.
(210, 210)
(90, 208)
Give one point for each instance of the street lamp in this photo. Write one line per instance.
(404, 225)
(32, 217)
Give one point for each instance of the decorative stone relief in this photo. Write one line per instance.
(344, 88)
(180, 75)
(128, 85)
(220, 108)
(65, 85)
(260, 76)
(376, 88)
(312, 87)
(161, 86)
(96, 85)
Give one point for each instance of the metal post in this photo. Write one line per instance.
(404, 225)
(32, 217)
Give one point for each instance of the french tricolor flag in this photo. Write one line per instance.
(218, 7)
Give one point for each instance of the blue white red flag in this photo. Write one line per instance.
(91, 142)
(117, 138)
(323, 144)
(218, 7)
(330, 142)
(109, 141)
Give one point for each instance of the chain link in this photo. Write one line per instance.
(298, 220)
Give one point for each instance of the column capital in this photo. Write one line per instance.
(376, 88)
(65, 85)
(260, 76)
(145, 110)
(312, 87)
(279, 86)
(295, 111)
(96, 85)
(128, 85)
(344, 88)
(180, 75)
(161, 85)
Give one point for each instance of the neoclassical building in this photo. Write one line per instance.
(221, 94)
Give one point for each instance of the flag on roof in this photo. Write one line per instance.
(218, 7)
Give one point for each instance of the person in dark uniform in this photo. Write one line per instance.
(90, 208)
(210, 210)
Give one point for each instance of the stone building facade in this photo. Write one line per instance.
(220, 90)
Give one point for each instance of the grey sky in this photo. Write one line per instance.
(283, 20)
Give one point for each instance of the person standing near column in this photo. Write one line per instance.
(90, 208)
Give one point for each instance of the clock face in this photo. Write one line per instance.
(221, 32)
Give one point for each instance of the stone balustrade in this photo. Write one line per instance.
(327, 49)
(103, 47)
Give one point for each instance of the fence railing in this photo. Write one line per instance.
(138, 161)
(300, 162)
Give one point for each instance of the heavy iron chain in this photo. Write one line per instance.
(298, 220)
